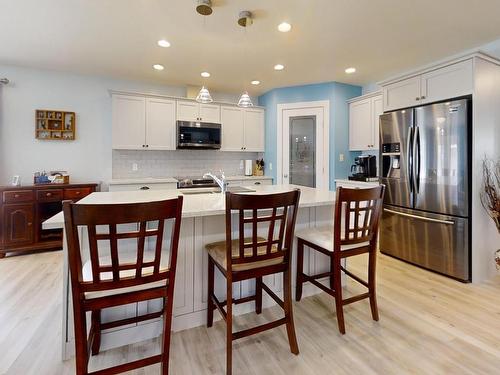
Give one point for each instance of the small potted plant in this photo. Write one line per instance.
(490, 194)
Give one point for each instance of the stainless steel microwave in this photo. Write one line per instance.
(198, 135)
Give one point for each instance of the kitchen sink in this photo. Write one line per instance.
(200, 191)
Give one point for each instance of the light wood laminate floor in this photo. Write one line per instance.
(428, 325)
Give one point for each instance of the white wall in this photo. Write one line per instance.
(89, 157)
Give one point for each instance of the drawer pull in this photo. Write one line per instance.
(257, 183)
(48, 194)
(78, 193)
(16, 195)
(144, 188)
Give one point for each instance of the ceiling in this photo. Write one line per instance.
(118, 38)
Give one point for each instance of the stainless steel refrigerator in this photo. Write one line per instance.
(425, 165)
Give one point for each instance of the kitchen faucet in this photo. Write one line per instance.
(219, 181)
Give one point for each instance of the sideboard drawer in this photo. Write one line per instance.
(18, 196)
(49, 195)
(77, 193)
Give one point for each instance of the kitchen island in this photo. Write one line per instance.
(202, 222)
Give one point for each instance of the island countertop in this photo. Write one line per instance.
(195, 205)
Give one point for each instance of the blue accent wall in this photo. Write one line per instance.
(337, 94)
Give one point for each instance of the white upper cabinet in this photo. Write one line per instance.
(360, 125)
(128, 122)
(242, 129)
(402, 94)
(233, 133)
(188, 111)
(141, 123)
(447, 82)
(254, 129)
(210, 113)
(364, 123)
(193, 111)
(160, 124)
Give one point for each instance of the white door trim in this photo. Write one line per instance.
(323, 104)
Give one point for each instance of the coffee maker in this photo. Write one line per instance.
(364, 168)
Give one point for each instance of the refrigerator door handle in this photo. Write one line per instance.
(416, 160)
(409, 159)
(447, 222)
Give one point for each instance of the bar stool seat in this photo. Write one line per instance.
(217, 250)
(125, 258)
(322, 237)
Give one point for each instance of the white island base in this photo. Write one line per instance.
(203, 222)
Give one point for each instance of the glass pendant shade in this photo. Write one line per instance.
(204, 96)
(245, 101)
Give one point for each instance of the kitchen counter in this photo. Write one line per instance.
(343, 182)
(203, 221)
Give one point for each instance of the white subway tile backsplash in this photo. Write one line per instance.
(177, 163)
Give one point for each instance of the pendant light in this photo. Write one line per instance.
(204, 8)
(245, 20)
(204, 96)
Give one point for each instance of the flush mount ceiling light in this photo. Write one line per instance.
(204, 96)
(279, 67)
(245, 101)
(205, 74)
(158, 67)
(204, 7)
(164, 43)
(256, 82)
(284, 27)
(350, 70)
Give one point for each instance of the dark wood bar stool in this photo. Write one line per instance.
(355, 232)
(254, 257)
(117, 277)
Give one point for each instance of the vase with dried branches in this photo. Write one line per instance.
(490, 194)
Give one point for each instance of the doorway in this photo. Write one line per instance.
(303, 144)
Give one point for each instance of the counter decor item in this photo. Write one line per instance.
(490, 195)
(259, 167)
(53, 124)
(248, 167)
(53, 177)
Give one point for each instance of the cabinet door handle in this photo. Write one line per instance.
(423, 97)
(417, 98)
(30, 224)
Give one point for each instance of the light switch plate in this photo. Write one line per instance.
(341, 157)
(135, 167)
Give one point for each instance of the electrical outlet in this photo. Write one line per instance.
(241, 165)
(341, 157)
(135, 167)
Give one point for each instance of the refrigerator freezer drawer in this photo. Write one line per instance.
(436, 242)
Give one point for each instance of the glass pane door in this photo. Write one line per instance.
(302, 169)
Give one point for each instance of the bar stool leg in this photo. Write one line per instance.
(338, 293)
(229, 327)
(167, 321)
(371, 283)
(290, 326)
(81, 353)
(300, 268)
(211, 306)
(96, 328)
(258, 295)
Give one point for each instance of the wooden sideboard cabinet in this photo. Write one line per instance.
(23, 210)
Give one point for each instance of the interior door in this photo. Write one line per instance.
(396, 129)
(304, 151)
(160, 124)
(441, 158)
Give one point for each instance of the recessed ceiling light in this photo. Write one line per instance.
(205, 74)
(279, 67)
(164, 43)
(158, 67)
(350, 70)
(255, 82)
(284, 27)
